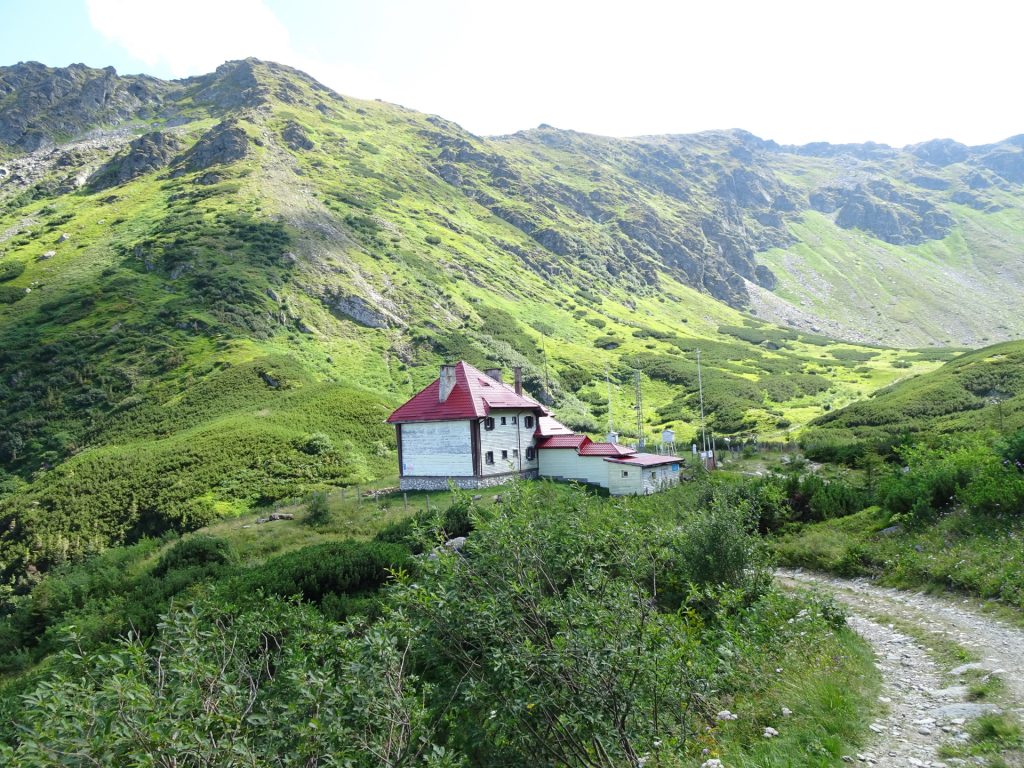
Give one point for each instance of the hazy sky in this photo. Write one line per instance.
(896, 72)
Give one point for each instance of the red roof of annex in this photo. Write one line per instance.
(563, 441)
(474, 395)
(604, 449)
(646, 460)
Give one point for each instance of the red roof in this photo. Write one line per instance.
(548, 426)
(647, 460)
(563, 441)
(474, 395)
(605, 449)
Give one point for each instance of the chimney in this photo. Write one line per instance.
(494, 373)
(519, 379)
(446, 381)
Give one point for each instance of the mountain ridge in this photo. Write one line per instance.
(725, 211)
(213, 307)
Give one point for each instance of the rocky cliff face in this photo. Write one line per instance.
(43, 105)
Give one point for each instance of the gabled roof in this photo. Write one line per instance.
(474, 395)
(548, 426)
(605, 449)
(563, 441)
(646, 460)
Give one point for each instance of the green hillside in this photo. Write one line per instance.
(976, 391)
(213, 290)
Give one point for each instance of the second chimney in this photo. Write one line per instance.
(446, 381)
(518, 371)
(494, 373)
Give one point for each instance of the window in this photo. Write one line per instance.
(528, 421)
(625, 473)
(503, 421)
(530, 453)
(489, 423)
(489, 457)
(504, 455)
(515, 453)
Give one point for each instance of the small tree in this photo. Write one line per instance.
(317, 510)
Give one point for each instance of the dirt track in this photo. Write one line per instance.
(928, 698)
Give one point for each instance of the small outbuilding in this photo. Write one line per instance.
(642, 473)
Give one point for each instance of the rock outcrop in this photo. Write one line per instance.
(223, 144)
(884, 211)
(145, 154)
(41, 104)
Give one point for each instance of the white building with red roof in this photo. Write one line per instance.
(470, 428)
(467, 427)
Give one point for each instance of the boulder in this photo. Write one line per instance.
(295, 137)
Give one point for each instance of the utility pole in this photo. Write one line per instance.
(700, 390)
(544, 355)
(608, 381)
(709, 444)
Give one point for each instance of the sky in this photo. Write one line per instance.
(796, 71)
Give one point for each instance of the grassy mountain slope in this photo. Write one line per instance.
(979, 390)
(961, 289)
(214, 300)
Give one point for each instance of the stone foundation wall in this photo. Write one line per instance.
(440, 483)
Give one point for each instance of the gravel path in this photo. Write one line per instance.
(927, 700)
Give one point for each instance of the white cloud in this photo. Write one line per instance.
(190, 37)
(791, 70)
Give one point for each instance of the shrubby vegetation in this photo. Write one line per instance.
(569, 630)
(10, 270)
(948, 512)
(978, 390)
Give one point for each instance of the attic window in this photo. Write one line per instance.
(515, 419)
(489, 422)
(625, 473)
(504, 421)
(489, 457)
(528, 421)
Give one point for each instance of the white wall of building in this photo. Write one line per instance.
(623, 479)
(508, 443)
(566, 464)
(437, 448)
(630, 479)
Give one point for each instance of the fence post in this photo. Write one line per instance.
(405, 502)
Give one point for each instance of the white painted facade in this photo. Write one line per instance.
(566, 464)
(507, 443)
(436, 448)
(632, 479)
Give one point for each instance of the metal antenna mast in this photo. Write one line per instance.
(547, 381)
(639, 411)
